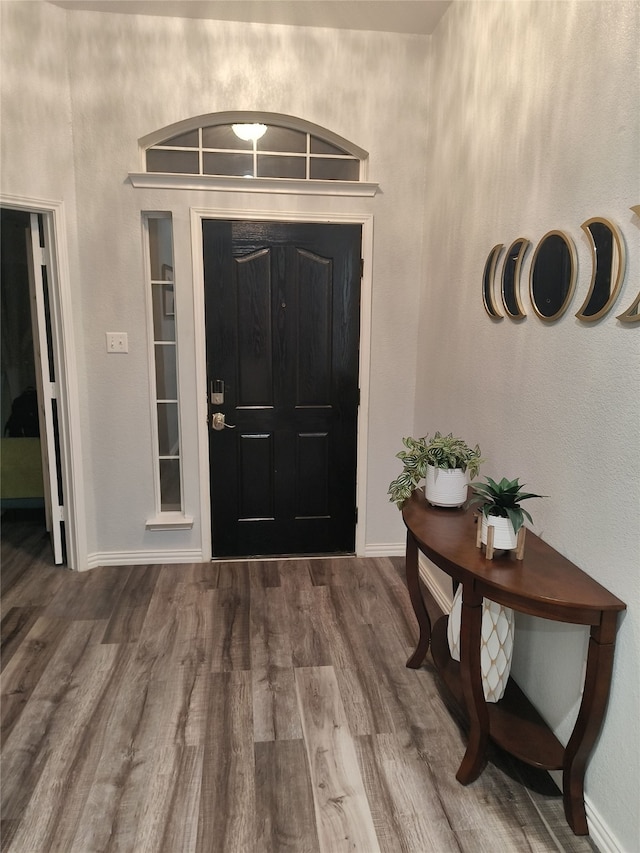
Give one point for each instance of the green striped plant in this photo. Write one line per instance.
(441, 451)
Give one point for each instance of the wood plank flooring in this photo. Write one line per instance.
(239, 707)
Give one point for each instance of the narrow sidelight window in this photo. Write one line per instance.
(164, 358)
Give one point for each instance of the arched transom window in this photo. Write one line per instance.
(246, 145)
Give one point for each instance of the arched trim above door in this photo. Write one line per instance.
(294, 156)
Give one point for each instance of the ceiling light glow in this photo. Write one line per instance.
(249, 132)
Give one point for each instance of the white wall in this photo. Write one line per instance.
(534, 125)
(130, 75)
(37, 152)
(161, 71)
(37, 168)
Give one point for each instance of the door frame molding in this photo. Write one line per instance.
(198, 214)
(64, 354)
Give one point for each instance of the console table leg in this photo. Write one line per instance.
(592, 708)
(471, 677)
(415, 593)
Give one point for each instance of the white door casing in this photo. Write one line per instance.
(366, 221)
(65, 362)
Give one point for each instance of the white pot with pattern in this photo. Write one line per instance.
(496, 643)
(504, 536)
(446, 486)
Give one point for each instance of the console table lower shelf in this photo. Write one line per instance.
(514, 723)
(543, 584)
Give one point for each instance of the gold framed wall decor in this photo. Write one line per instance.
(488, 281)
(632, 313)
(552, 280)
(608, 260)
(511, 272)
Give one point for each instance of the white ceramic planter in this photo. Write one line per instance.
(446, 486)
(504, 535)
(496, 649)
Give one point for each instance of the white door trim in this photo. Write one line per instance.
(366, 221)
(64, 354)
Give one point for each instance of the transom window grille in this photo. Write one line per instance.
(165, 361)
(232, 150)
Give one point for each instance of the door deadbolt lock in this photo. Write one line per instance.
(218, 422)
(216, 389)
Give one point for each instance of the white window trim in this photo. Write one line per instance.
(163, 180)
(366, 221)
(248, 117)
(169, 520)
(284, 186)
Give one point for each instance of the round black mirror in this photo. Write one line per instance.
(553, 275)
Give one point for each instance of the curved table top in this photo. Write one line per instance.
(543, 584)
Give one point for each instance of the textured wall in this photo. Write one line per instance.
(129, 75)
(162, 70)
(36, 152)
(534, 125)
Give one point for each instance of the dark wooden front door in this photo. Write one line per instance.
(282, 308)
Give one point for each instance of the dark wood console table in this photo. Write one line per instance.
(543, 584)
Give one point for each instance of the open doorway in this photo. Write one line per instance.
(31, 495)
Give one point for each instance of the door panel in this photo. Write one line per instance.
(47, 388)
(312, 467)
(253, 330)
(314, 330)
(282, 312)
(255, 477)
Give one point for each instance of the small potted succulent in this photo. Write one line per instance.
(500, 505)
(446, 464)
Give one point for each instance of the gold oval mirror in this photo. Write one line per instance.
(511, 278)
(553, 275)
(608, 260)
(487, 282)
(632, 314)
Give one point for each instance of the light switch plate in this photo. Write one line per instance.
(117, 342)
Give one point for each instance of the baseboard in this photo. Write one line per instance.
(388, 549)
(437, 582)
(599, 832)
(142, 558)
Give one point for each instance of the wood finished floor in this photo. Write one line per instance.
(241, 707)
